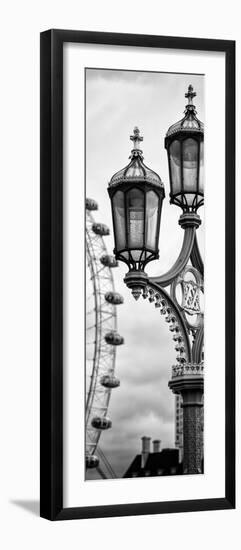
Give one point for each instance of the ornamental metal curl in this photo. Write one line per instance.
(187, 246)
(189, 221)
(173, 317)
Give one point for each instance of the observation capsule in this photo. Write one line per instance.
(114, 338)
(91, 204)
(109, 381)
(109, 261)
(114, 298)
(91, 461)
(101, 422)
(100, 229)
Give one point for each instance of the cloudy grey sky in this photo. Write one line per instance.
(116, 101)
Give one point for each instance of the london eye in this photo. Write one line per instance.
(102, 340)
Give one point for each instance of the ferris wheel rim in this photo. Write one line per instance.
(94, 246)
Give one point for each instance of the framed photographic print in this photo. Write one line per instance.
(135, 417)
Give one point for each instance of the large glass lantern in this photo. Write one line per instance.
(136, 194)
(184, 144)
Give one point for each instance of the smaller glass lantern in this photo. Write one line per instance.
(136, 194)
(184, 143)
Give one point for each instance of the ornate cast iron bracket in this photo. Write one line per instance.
(173, 317)
(176, 314)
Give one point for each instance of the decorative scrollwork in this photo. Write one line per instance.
(191, 297)
(190, 283)
(191, 369)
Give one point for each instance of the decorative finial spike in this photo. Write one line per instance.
(190, 94)
(136, 138)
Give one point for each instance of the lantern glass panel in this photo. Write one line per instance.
(190, 164)
(201, 168)
(152, 201)
(175, 166)
(190, 198)
(136, 255)
(119, 220)
(135, 218)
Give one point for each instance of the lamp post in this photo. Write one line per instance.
(136, 194)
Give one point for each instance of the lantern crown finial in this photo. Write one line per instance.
(136, 170)
(190, 94)
(190, 110)
(136, 138)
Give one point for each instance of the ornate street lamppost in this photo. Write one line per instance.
(136, 194)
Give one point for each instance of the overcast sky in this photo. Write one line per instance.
(116, 101)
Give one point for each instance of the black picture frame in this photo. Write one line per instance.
(51, 323)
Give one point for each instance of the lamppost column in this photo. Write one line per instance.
(192, 431)
(188, 382)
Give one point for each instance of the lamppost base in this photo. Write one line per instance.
(136, 281)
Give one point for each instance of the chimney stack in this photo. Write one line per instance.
(156, 445)
(145, 450)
